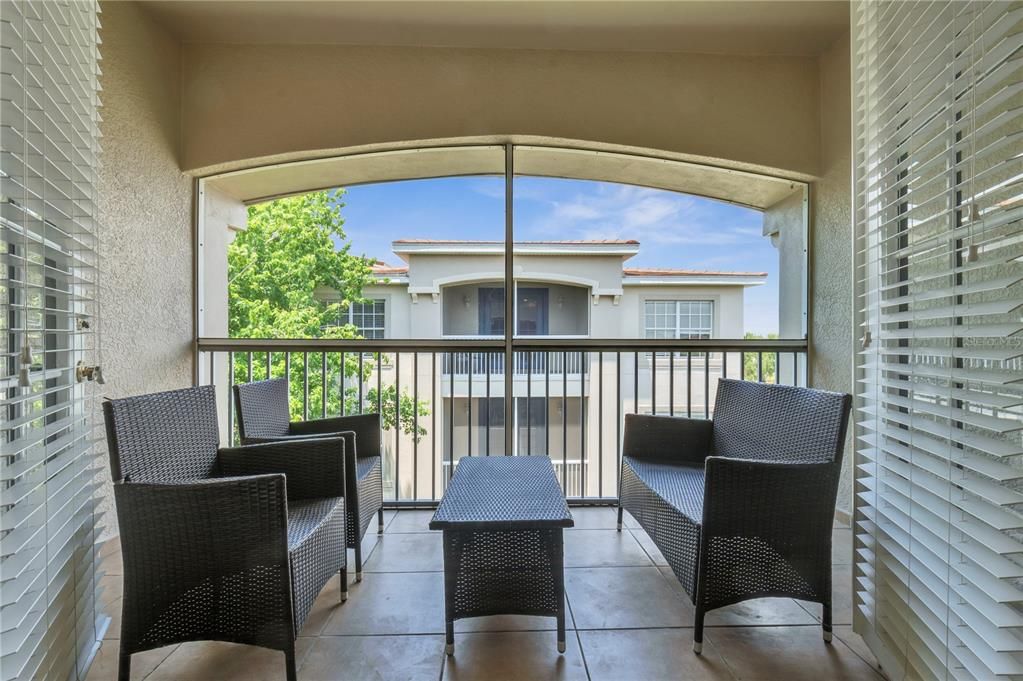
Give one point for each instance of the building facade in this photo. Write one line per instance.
(563, 400)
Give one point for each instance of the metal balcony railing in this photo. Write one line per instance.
(429, 424)
(480, 364)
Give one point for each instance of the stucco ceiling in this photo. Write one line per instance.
(714, 26)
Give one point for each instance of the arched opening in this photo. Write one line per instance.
(638, 283)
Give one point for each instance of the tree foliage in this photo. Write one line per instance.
(750, 368)
(293, 250)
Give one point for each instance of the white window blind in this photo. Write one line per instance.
(938, 201)
(49, 627)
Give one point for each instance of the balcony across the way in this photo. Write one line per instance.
(627, 618)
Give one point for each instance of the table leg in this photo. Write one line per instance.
(559, 584)
(450, 584)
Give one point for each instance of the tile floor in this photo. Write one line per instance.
(627, 614)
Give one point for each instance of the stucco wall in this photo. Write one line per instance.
(145, 211)
(831, 279)
(252, 101)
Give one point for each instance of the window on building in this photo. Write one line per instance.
(684, 319)
(368, 317)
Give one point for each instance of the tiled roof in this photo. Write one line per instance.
(667, 272)
(380, 267)
(582, 242)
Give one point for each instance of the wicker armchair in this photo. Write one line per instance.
(742, 506)
(226, 544)
(263, 416)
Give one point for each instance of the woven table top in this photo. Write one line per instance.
(503, 492)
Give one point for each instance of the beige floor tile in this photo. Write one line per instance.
(392, 603)
(759, 612)
(604, 548)
(324, 607)
(104, 665)
(111, 589)
(850, 638)
(651, 549)
(629, 521)
(217, 661)
(650, 655)
(786, 653)
(842, 598)
(594, 518)
(841, 546)
(512, 623)
(113, 609)
(418, 552)
(374, 658)
(514, 656)
(616, 598)
(369, 544)
(410, 521)
(110, 562)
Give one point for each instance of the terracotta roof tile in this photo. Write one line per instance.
(582, 242)
(668, 272)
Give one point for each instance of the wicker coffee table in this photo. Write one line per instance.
(502, 518)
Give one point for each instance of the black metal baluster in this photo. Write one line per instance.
(468, 423)
(547, 403)
(706, 384)
(250, 379)
(269, 364)
(529, 401)
(582, 427)
(433, 422)
(671, 383)
(653, 382)
(361, 405)
(305, 386)
(689, 384)
(323, 384)
(600, 423)
(343, 408)
(760, 365)
(564, 421)
(618, 422)
(230, 404)
(486, 367)
(415, 425)
(397, 423)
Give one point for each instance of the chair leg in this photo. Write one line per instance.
(358, 561)
(620, 510)
(289, 661)
(826, 622)
(344, 584)
(698, 631)
(124, 667)
(380, 520)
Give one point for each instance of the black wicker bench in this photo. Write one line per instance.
(742, 506)
(503, 519)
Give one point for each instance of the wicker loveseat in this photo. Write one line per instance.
(741, 506)
(263, 416)
(226, 544)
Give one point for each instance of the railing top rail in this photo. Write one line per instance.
(492, 345)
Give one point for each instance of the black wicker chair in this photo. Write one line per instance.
(263, 416)
(225, 544)
(742, 506)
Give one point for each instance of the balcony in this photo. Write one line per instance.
(628, 619)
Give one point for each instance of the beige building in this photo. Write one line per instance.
(563, 400)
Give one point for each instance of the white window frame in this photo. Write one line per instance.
(678, 329)
(350, 314)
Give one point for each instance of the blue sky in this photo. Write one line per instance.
(674, 230)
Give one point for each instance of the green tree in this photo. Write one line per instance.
(750, 370)
(288, 254)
